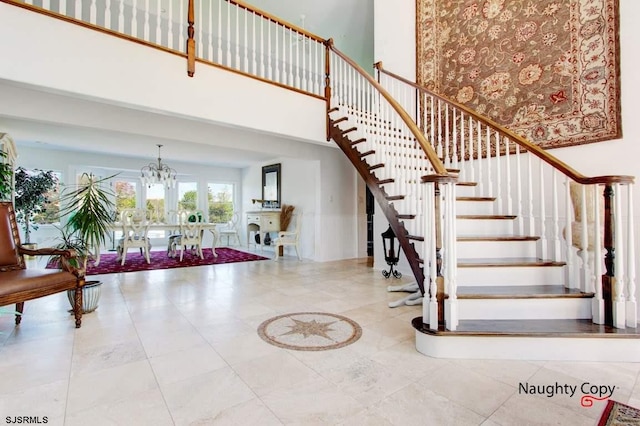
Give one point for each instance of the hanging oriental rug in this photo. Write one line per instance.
(546, 69)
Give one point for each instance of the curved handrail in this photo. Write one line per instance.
(438, 167)
(534, 149)
(277, 20)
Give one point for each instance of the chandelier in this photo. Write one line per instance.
(158, 173)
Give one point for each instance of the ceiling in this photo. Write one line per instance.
(348, 22)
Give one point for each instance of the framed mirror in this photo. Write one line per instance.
(271, 179)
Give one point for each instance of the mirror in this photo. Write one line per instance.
(271, 179)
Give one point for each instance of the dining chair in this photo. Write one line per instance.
(289, 238)
(230, 229)
(135, 234)
(191, 233)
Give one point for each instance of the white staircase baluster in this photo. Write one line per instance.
(568, 236)
(159, 24)
(146, 21)
(452, 135)
(238, 64)
(531, 229)
(107, 14)
(245, 50)
(498, 203)
(254, 47)
(219, 24)
(584, 241)
(228, 52)
(93, 13)
(619, 298)
(519, 210)
(472, 169)
(489, 159)
(209, 33)
(276, 60)
(170, 29)
(134, 20)
(480, 160)
(78, 10)
(463, 149)
(631, 305)
(597, 304)
(269, 63)
(542, 254)
(509, 188)
(121, 17)
(46, 4)
(62, 7)
(557, 245)
(298, 37)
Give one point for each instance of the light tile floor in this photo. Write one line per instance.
(180, 347)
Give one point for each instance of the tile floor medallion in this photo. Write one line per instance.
(310, 331)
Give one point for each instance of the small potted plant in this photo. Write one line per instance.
(32, 188)
(89, 207)
(6, 177)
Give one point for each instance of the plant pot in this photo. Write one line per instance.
(90, 296)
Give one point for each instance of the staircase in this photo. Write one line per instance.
(518, 289)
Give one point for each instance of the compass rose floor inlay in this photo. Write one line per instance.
(310, 331)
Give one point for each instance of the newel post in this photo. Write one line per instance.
(327, 82)
(609, 277)
(191, 42)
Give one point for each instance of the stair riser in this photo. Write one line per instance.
(484, 227)
(466, 191)
(475, 207)
(522, 309)
(511, 275)
(497, 249)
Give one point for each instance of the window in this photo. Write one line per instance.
(126, 192)
(187, 196)
(49, 211)
(155, 202)
(220, 202)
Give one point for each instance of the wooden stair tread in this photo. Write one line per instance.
(532, 328)
(475, 198)
(520, 292)
(497, 238)
(506, 262)
(485, 216)
(467, 183)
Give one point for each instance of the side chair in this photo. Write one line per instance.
(289, 238)
(19, 283)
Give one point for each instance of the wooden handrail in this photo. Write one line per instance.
(534, 149)
(438, 167)
(277, 20)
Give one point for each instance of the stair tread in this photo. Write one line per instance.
(497, 238)
(538, 328)
(506, 261)
(519, 292)
(467, 183)
(485, 216)
(475, 198)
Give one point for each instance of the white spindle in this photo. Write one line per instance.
(159, 24)
(297, 73)
(228, 35)
(289, 48)
(542, 254)
(463, 149)
(507, 156)
(454, 136)
(557, 244)
(479, 190)
(531, 229)
(245, 51)
(210, 34)
(93, 13)
(489, 159)
(631, 305)
(107, 14)
(262, 63)
(146, 20)
(219, 43)
(498, 203)
(78, 10)
(170, 27)
(619, 298)
(519, 209)
(584, 239)
(121, 17)
(254, 63)
(62, 7)
(134, 19)
(46, 4)
(29, 2)
(568, 270)
(597, 304)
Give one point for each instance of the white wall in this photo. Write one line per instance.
(395, 46)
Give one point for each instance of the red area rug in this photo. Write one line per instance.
(159, 260)
(618, 414)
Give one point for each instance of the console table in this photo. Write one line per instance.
(262, 222)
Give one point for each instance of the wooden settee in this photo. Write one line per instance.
(19, 284)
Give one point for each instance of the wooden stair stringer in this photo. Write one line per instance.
(383, 199)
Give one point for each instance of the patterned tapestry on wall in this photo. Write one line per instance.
(546, 69)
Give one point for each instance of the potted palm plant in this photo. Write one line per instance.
(89, 206)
